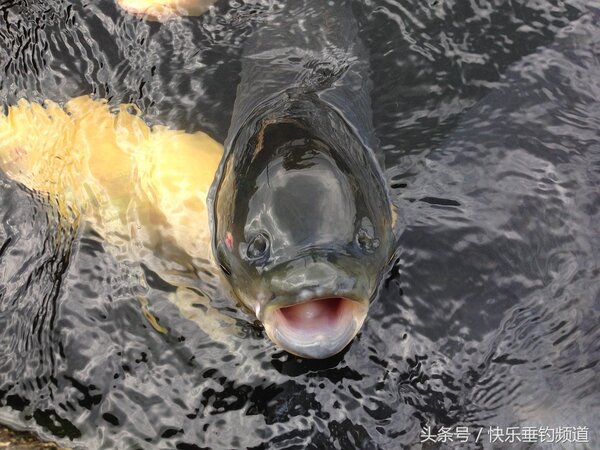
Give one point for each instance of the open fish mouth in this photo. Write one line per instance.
(315, 328)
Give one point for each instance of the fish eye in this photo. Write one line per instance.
(366, 241)
(258, 247)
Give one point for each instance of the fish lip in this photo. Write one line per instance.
(316, 343)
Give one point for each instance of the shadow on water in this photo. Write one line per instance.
(488, 116)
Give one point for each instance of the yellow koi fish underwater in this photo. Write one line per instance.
(112, 169)
(138, 187)
(165, 9)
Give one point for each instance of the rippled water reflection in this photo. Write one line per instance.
(488, 114)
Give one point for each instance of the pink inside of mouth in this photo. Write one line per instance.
(316, 328)
(314, 314)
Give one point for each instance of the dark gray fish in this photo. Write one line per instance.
(301, 218)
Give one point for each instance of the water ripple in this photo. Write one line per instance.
(488, 115)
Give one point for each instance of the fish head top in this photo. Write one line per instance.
(303, 232)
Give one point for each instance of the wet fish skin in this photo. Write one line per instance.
(299, 208)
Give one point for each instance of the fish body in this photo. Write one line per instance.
(131, 181)
(300, 214)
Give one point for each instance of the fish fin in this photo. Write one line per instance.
(152, 320)
(196, 306)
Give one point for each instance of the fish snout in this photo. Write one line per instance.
(318, 276)
(317, 309)
(318, 328)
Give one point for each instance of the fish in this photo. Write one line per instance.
(164, 10)
(106, 166)
(302, 224)
(142, 189)
(293, 207)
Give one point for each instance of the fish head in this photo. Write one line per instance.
(303, 232)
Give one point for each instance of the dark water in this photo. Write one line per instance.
(489, 118)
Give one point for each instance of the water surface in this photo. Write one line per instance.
(488, 114)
